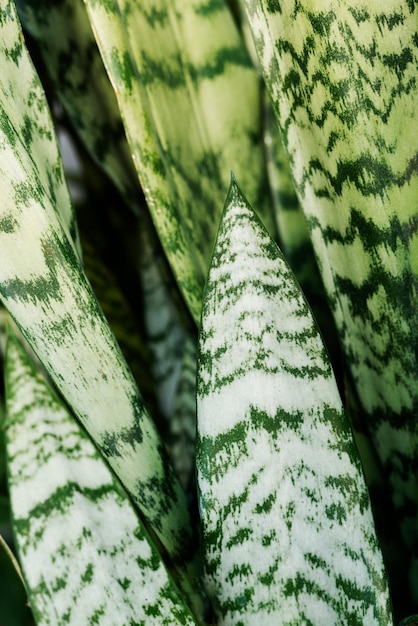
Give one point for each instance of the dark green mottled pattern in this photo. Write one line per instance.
(69, 51)
(83, 550)
(293, 233)
(287, 526)
(27, 128)
(163, 324)
(343, 80)
(120, 315)
(182, 433)
(78, 77)
(190, 102)
(171, 338)
(45, 290)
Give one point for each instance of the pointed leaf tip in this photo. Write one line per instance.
(284, 508)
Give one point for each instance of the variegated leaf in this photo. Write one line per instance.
(191, 109)
(45, 290)
(182, 427)
(163, 326)
(86, 556)
(343, 81)
(122, 320)
(28, 130)
(75, 68)
(293, 233)
(172, 344)
(287, 526)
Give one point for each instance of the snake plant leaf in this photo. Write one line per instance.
(27, 128)
(75, 69)
(288, 532)
(182, 433)
(293, 233)
(172, 344)
(343, 81)
(122, 319)
(45, 290)
(191, 110)
(163, 324)
(86, 556)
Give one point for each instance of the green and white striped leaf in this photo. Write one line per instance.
(293, 234)
(343, 81)
(191, 109)
(27, 129)
(122, 319)
(287, 526)
(75, 69)
(45, 290)
(86, 556)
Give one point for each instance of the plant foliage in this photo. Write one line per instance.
(138, 278)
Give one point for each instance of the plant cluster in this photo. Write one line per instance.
(210, 402)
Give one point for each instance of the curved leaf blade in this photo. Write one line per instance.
(28, 130)
(182, 434)
(287, 526)
(85, 554)
(343, 82)
(49, 297)
(191, 110)
(172, 343)
(75, 68)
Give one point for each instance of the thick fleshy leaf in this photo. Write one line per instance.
(122, 319)
(287, 526)
(75, 69)
(86, 556)
(45, 290)
(28, 134)
(343, 81)
(191, 110)
(172, 344)
(182, 428)
(293, 233)
(163, 325)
